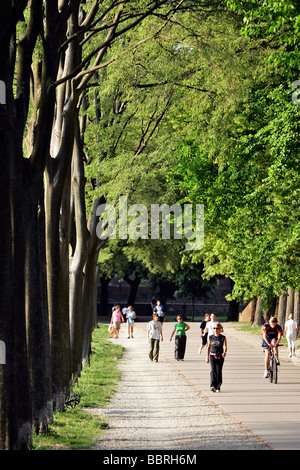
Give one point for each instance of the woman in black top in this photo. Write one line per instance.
(216, 352)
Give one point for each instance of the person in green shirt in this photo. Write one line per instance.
(180, 337)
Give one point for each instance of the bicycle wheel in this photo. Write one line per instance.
(271, 370)
(275, 371)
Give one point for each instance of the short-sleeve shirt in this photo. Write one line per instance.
(155, 328)
(272, 333)
(203, 325)
(117, 315)
(210, 327)
(180, 328)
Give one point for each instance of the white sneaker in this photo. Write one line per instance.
(199, 350)
(290, 355)
(266, 374)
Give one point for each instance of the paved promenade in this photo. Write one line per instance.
(269, 411)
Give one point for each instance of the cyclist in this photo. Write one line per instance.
(272, 333)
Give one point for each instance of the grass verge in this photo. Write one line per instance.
(256, 330)
(75, 428)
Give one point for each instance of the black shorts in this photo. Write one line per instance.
(265, 345)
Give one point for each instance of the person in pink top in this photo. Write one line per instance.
(116, 319)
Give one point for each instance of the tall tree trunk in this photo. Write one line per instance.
(297, 307)
(79, 256)
(252, 314)
(134, 285)
(282, 308)
(258, 318)
(37, 310)
(289, 304)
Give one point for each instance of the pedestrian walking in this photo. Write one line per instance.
(116, 319)
(216, 352)
(203, 333)
(154, 336)
(210, 325)
(291, 329)
(131, 316)
(124, 312)
(180, 337)
(160, 310)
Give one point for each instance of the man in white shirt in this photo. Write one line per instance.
(210, 325)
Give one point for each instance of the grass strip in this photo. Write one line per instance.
(75, 428)
(256, 330)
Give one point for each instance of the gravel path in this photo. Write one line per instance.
(156, 407)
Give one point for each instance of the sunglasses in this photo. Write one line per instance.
(215, 328)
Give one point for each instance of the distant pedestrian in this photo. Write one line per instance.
(180, 337)
(124, 311)
(210, 325)
(203, 333)
(291, 328)
(216, 352)
(160, 310)
(116, 319)
(131, 316)
(154, 336)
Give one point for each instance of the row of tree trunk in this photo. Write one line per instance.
(48, 250)
(287, 303)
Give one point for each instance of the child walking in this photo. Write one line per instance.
(154, 334)
(180, 337)
(131, 316)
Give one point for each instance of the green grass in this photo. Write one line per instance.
(256, 330)
(75, 428)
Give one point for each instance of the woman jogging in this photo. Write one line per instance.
(180, 338)
(216, 352)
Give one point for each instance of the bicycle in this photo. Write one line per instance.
(273, 367)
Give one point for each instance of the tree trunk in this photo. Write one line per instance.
(252, 314)
(282, 308)
(58, 316)
(79, 257)
(289, 304)
(297, 307)
(37, 311)
(258, 318)
(134, 285)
